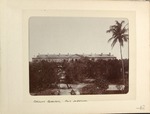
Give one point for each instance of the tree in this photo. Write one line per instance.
(42, 75)
(119, 34)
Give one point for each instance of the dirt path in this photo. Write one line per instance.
(76, 87)
(63, 90)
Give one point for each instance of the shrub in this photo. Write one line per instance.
(102, 83)
(91, 89)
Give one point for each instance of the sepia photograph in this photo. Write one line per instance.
(78, 56)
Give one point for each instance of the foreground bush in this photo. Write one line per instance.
(91, 89)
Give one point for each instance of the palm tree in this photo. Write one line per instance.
(119, 34)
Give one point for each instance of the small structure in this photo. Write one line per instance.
(116, 87)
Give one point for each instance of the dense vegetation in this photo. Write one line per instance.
(44, 75)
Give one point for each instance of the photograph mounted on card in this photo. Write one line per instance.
(79, 54)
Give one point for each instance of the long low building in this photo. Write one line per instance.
(69, 57)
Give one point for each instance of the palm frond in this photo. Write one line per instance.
(110, 39)
(114, 42)
(117, 23)
(124, 30)
(122, 22)
(111, 29)
(125, 38)
(108, 31)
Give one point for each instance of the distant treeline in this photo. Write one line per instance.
(45, 74)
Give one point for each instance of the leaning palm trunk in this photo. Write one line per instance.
(119, 33)
(122, 65)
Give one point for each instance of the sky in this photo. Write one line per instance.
(73, 35)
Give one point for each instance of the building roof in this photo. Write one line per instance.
(98, 55)
(65, 56)
(51, 56)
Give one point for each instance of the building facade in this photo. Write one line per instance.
(69, 57)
